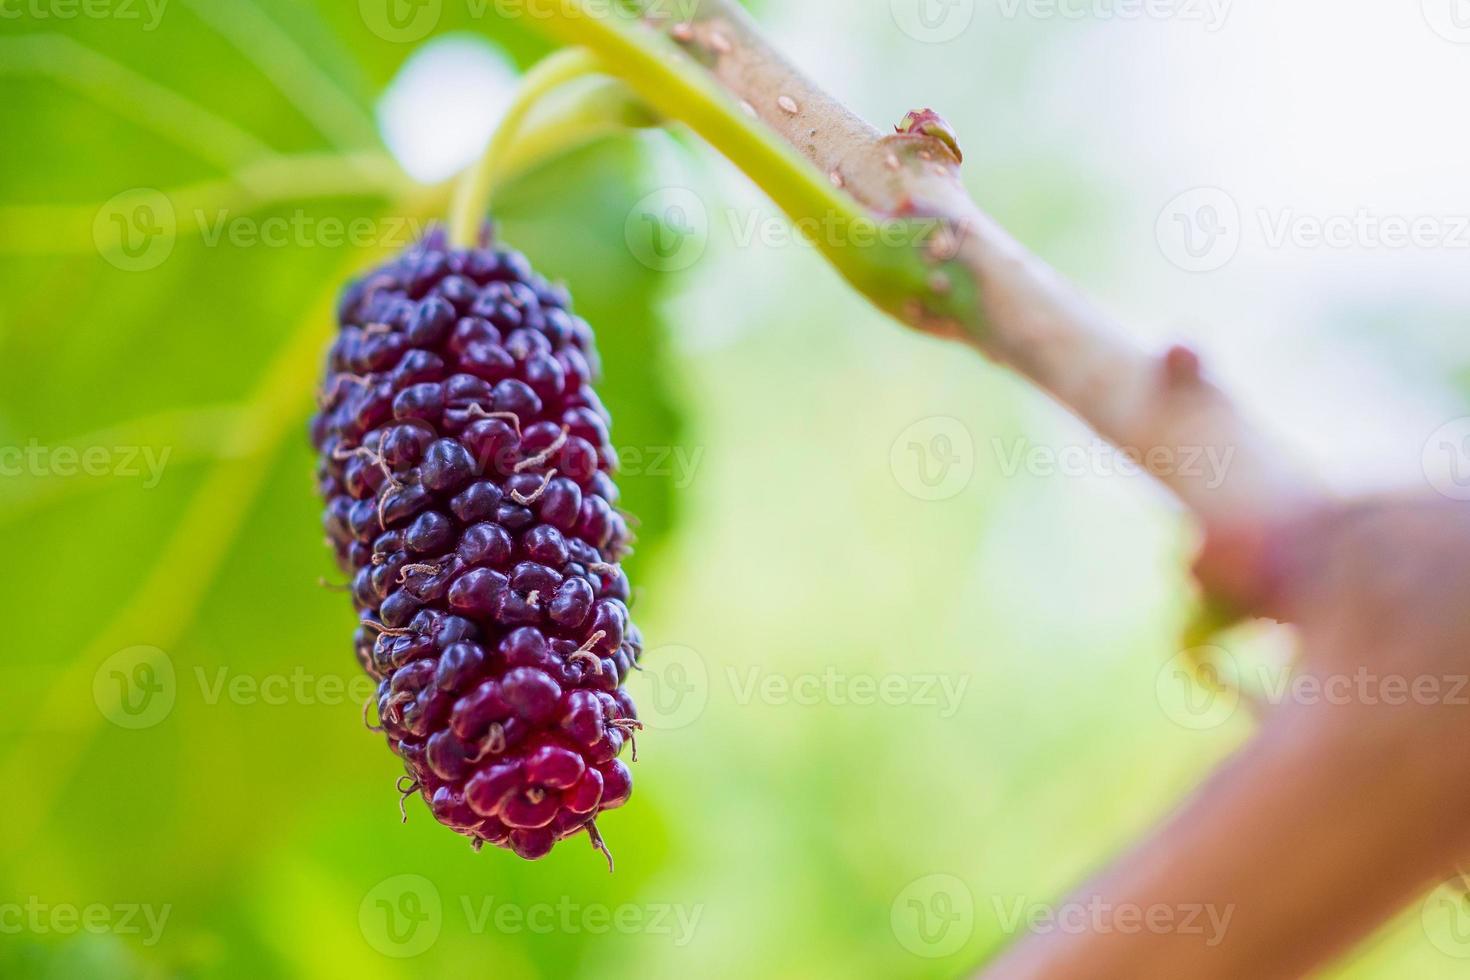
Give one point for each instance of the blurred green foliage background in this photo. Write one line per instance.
(832, 518)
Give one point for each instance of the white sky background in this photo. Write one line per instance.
(442, 106)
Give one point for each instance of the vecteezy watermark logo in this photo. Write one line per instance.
(400, 21)
(303, 230)
(1098, 916)
(1199, 230)
(1363, 228)
(841, 689)
(658, 12)
(406, 21)
(668, 230)
(402, 916)
(1196, 688)
(135, 230)
(1211, 13)
(933, 916)
(568, 916)
(933, 21)
(1447, 459)
(299, 687)
(146, 12)
(679, 464)
(933, 459)
(1200, 688)
(139, 687)
(1445, 916)
(40, 918)
(1202, 230)
(135, 688)
(1450, 19)
(750, 227)
(66, 462)
(676, 687)
(1208, 464)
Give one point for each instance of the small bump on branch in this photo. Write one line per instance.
(927, 122)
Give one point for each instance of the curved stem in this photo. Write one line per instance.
(472, 196)
(588, 110)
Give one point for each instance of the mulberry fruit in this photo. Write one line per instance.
(467, 472)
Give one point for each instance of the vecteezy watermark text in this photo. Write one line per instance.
(407, 21)
(676, 684)
(65, 462)
(567, 916)
(64, 918)
(139, 687)
(137, 229)
(147, 13)
(668, 230)
(299, 687)
(402, 916)
(1211, 464)
(1211, 13)
(1097, 916)
(1203, 229)
(1202, 688)
(302, 230)
(840, 689)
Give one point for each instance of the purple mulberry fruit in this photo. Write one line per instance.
(466, 468)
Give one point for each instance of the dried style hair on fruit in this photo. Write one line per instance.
(466, 467)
